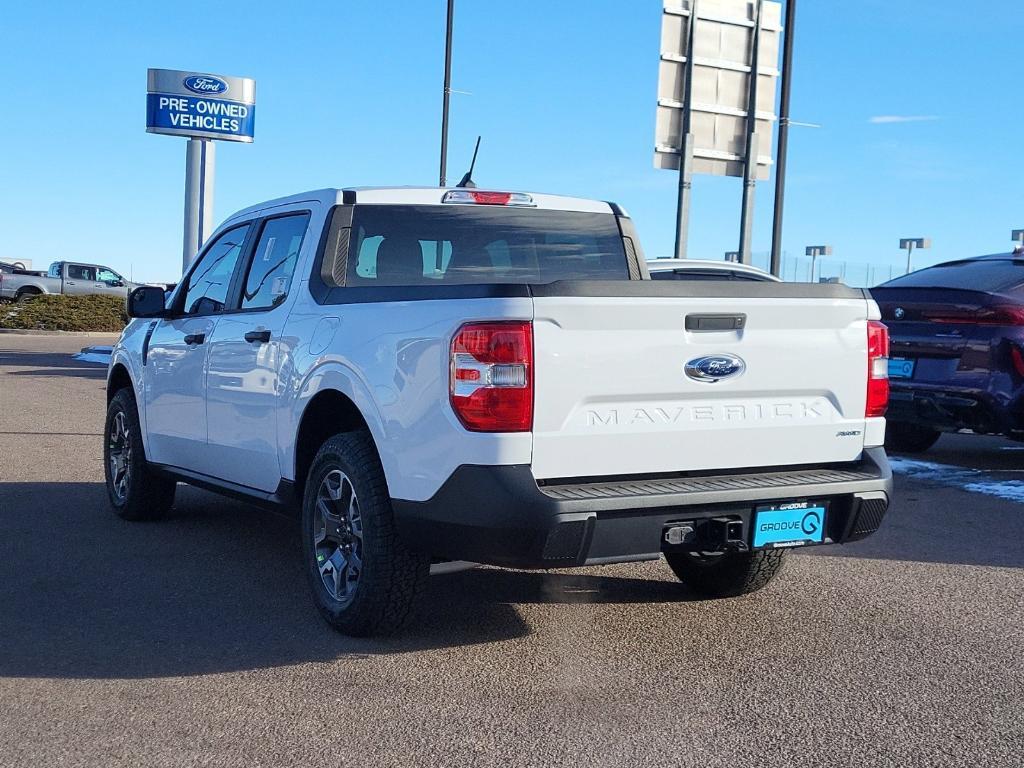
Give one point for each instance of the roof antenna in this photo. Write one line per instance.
(467, 180)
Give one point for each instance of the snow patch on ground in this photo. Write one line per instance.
(1009, 490)
(98, 354)
(970, 480)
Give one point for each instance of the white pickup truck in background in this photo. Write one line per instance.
(460, 374)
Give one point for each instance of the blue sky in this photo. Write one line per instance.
(348, 93)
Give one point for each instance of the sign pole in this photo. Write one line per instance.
(203, 108)
(782, 151)
(686, 146)
(199, 175)
(750, 161)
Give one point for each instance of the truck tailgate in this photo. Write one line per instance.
(612, 397)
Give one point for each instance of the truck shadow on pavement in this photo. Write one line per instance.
(217, 587)
(49, 364)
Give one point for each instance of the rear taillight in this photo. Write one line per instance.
(878, 369)
(1000, 314)
(1018, 359)
(492, 376)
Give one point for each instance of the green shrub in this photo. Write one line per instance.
(66, 313)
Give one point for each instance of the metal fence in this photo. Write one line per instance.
(797, 269)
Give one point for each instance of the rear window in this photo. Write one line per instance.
(707, 274)
(973, 275)
(426, 245)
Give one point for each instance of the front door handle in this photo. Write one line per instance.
(195, 338)
(261, 336)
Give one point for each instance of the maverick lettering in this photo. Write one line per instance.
(703, 413)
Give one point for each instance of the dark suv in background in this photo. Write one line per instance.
(957, 350)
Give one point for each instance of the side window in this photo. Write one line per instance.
(54, 269)
(81, 272)
(273, 262)
(209, 281)
(105, 275)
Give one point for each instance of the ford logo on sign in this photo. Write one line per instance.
(206, 85)
(712, 368)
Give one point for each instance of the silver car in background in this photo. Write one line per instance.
(705, 269)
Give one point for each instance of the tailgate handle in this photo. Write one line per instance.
(716, 322)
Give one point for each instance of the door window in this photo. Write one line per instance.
(273, 262)
(81, 272)
(105, 275)
(208, 284)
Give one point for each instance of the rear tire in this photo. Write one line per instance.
(905, 437)
(364, 579)
(134, 490)
(726, 574)
(27, 294)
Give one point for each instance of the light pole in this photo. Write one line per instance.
(814, 251)
(910, 243)
(781, 152)
(447, 93)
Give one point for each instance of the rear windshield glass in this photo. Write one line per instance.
(426, 245)
(980, 275)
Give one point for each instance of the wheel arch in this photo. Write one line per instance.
(327, 413)
(118, 379)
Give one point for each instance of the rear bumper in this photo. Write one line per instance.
(948, 408)
(502, 516)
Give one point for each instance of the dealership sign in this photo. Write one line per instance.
(200, 105)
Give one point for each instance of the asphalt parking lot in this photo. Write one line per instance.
(193, 641)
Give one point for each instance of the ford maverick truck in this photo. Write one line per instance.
(431, 374)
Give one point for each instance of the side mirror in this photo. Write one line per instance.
(146, 301)
(117, 283)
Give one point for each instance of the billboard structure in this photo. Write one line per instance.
(716, 97)
(203, 108)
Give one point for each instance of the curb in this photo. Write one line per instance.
(28, 332)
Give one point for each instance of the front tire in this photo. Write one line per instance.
(364, 579)
(904, 437)
(726, 574)
(134, 490)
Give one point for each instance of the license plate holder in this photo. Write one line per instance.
(901, 368)
(789, 524)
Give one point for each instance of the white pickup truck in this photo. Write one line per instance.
(455, 374)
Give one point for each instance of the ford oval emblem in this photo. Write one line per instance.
(205, 85)
(712, 368)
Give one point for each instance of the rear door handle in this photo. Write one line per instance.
(195, 338)
(261, 336)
